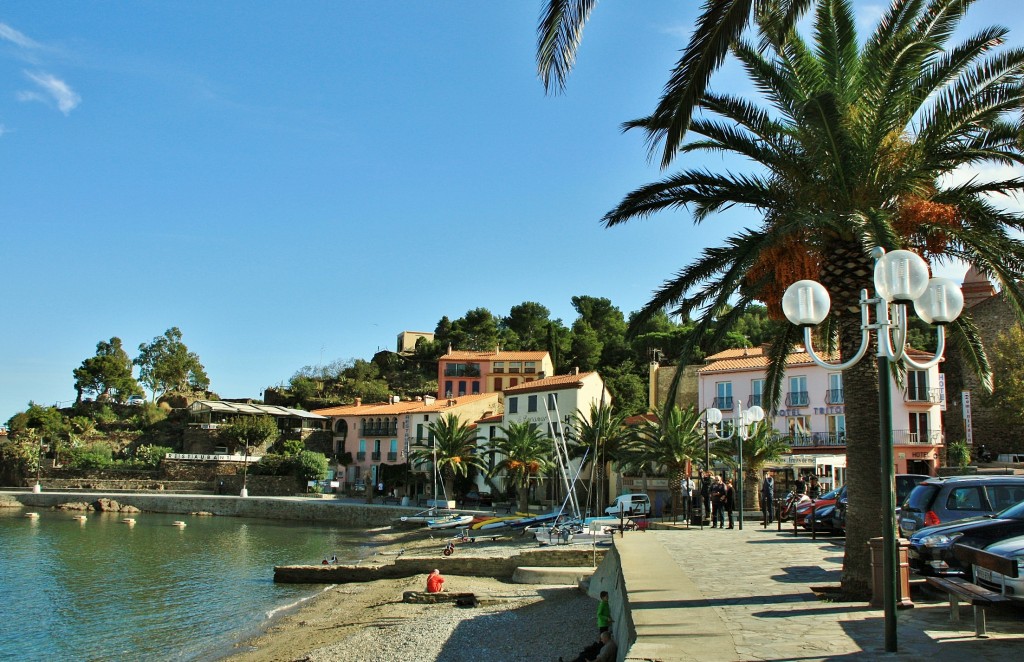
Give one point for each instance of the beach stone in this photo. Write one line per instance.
(460, 599)
(107, 505)
(75, 505)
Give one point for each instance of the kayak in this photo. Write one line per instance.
(449, 522)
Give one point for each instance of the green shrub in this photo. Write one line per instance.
(293, 447)
(272, 464)
(104, 414)
(91, 456)
(149, 456)
(958, 454)
(311, 466)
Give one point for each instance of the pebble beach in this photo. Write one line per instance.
(368, 622)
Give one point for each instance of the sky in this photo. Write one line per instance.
(291, 184)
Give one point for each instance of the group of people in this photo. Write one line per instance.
(604, 649)
(715, 495)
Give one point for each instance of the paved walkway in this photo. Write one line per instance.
(747, 595)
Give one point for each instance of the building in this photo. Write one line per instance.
(381, 434)
(407, 341)
(462, 372)
(812, 414)
(207, 416)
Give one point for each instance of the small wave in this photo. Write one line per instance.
(283, 609)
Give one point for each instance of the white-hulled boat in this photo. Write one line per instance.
(414, 521)
(450, 521)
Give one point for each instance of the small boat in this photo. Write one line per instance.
(449, 521)
(178, 523)
(497, 521)
(128, 520)
(81, 518)
(530, 521)
(32, 515)
(412, 521)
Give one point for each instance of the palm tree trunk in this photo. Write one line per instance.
(523, 492)
(848, 271)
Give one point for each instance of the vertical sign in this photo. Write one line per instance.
(942, 392)
(966, 396)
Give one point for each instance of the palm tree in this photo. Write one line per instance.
(719, 25)
(764, 445)
(856, 149)
(604, 434)
(522, 453)
(671, 443)
(452, 451)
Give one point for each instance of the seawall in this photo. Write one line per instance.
(363, 516)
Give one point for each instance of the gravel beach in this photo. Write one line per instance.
(368, 622)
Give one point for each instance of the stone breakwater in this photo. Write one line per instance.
(499, 564)
(288, 508)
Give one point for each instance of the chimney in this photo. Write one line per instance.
(359, 402)
(428, 400)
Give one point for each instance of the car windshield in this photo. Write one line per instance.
(1013, 512)
(831, 495)
(921, 497)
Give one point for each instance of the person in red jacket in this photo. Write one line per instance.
(435, 582)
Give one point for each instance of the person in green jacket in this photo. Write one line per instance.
(604, 613)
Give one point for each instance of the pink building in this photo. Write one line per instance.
(812, 415)
(382, 433)
(462, 372)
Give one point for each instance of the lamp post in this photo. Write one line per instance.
(245, 471)
(37, 488)
(712, 417)
(744, 419)
(901, 278)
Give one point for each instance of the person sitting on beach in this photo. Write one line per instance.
(608, 651)
(435, 582)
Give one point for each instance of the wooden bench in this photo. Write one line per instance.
(979, 597)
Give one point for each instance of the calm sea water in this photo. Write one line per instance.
(104, 590)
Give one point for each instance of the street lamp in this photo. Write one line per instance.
(37, 488)
(901, 278)
(741, 430)
(245, 470)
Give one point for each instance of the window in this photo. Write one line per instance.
(362, 445)
(965, 498)
(530, 367)
(917, 385)
(531, 403)
(919, 427)
(499, 367)
(448, 384)
(756, 391)
(497, 383)
(419, 433)
(834, 396)
(476, 387)
(512, 382)
(462, 388)
(797, 396)
(723, 395)
(799, 426)
(514, 366)
(513, 405)
(552, 401)
(836, 429)
(554, 429)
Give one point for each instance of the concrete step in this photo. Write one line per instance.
(567, 575)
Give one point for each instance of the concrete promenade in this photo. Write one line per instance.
(726, 595)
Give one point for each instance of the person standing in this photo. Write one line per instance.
(813, 488)
(718, 504)
(687, 489)
(730, 500)
(768, 497)
(705, 495)
(604, 613)
(800, 484)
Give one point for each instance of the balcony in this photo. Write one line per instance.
(798, 399)
(461, 370)
(834, 396)
(375, 456)
(723, 403)
(754, 401)
(815, 439)
(361, 455)
(910, 437)
(922, 396)
(392, 456)
(389, 429)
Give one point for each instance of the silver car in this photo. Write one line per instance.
(1011, 587)
(943, 500)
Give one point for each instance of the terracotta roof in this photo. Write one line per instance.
(549, 383)
(403, 407)
(497, 418)
(736, 353)
(464, 355)
(759, 361)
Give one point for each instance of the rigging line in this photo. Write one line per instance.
(560, 433)
(575, 477)
(557, 448)
(593, 463)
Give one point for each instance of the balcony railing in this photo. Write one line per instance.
(384, 430)
(924, 396)
(376, 456)
(754, 401)
(834, 396)
(722, 403)
(930, 437)
(361, 455)
(812, 439)
(392, 456)
(798, 399)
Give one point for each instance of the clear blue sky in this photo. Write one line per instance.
(296, 183)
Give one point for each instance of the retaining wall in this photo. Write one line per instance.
(476, 566)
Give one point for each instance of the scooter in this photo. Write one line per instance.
(791, 503)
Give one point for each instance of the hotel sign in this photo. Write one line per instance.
(211, 457)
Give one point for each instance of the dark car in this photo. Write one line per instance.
(931, 548)
(475, 498)
(943, 500)
(904, 484)
(822, 507)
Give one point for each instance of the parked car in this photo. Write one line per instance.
(942, 500)
(136, 400)
(931, 548)
(905, 483)
(477, 498)
(629, 505)
(822, 507)
(1012, 587)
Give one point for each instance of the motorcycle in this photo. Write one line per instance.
(791, 503)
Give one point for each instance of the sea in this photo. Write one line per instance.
(102, 589)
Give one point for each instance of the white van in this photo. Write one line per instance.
(630, 504)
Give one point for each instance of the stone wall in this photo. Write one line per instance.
(474, 566)
(992, 317)
(136, 484)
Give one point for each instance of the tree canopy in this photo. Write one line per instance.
(166, 365)
(108, 374)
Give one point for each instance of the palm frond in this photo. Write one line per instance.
(558, 38)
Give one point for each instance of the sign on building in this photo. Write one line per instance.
(966, 397)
